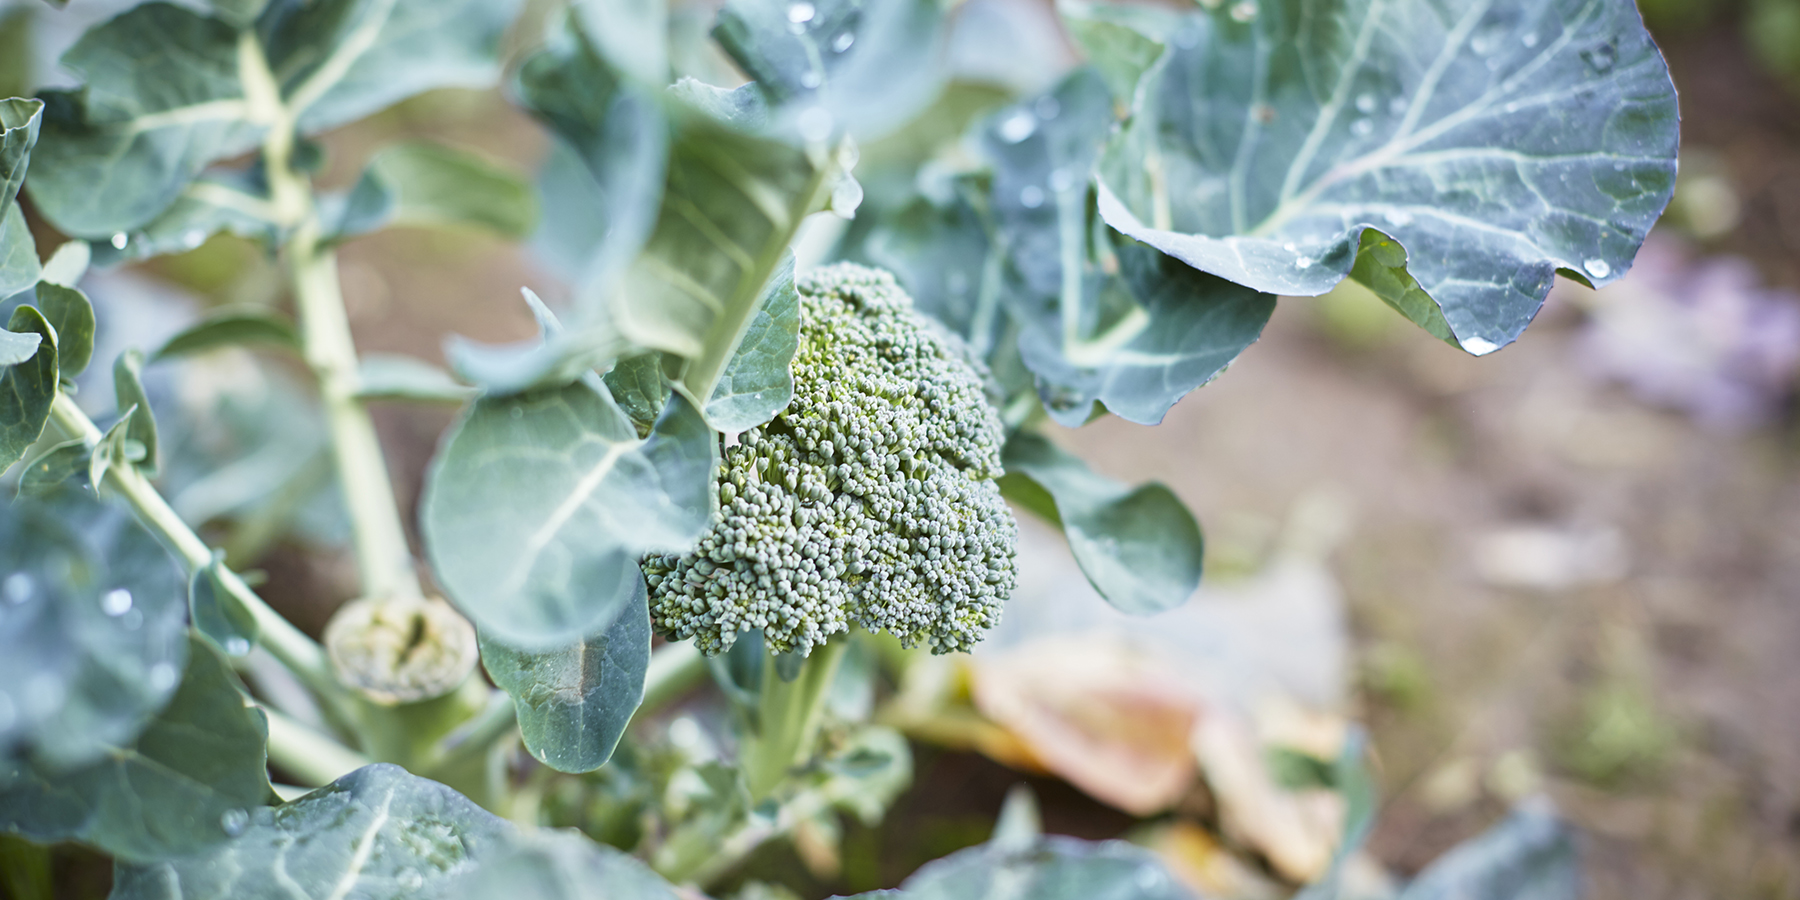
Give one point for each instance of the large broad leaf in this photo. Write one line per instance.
(858, 66)
(1139, 546)
(759, 380)
(230, 327)
(731, 205)
(1048, 868)
(1102, 319)
(430, 184)
(538, 507)
(27, 389)
(1492, 142)
(574, 701)
(162, 100)
(187, 782)
(1529, 856)
(561, 865)
(377, 832)
(91, 630)
(340, 60)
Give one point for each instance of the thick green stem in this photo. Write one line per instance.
(788, 715)
(290, 645)
(309, 756)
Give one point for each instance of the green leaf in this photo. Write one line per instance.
(19, 267)
(92, 641)
(631, 35)
(178, 788)
(231, 327)
(19, 123)
(391, 376)
(1494, 143)
(862, 67)
(428, 184)
(27, 389)
(68, 311)
(128, 385)
(562, 865)
(219, 615)
(44, 474)
(1531, 855)
(638, 385)
(1101, 319)
(1121, 42)
(1140, 547)
(162, 100)
(574, 701)
(759, 380)
(1050, 868)
(732, 204)
(340, 60)
(218, 201)
(113, 449)
(377, 832)
(17, 348)
(538, 506)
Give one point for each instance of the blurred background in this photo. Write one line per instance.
(1568, 570)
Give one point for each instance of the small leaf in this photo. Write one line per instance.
(428, 184)
(1140, 547)
(219, 615)
(27, 389)
(561, 865)
(638, 385)
(538, 506)
(46, 473)
(376, 832)
(1122, 42)
(391, 376)
(112, 450)
(758, 382)
(68, 311)
(231, 327)
(92, 643)
(1492, 144)
(134, 407)
(19, 267)
(176, 789)
(575, 701)
(839, 66)
(1531, 855)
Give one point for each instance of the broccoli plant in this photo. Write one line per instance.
(816, 280)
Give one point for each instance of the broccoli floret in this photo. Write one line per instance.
(871, 499)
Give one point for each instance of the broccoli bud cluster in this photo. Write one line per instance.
(871, 499)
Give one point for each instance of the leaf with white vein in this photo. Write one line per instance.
(574, 701)
(539, 505)
(1495, 142)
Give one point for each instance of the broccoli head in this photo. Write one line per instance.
(871, 499)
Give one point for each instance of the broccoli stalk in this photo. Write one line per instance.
(870, 500)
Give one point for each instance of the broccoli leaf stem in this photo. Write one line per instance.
(788, 717)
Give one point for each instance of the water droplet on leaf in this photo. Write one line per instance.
(1601, 58)
(1031, 197)
(1365, 104)
(236, 646)
(163, 676)
(1597, 268)
(1304, 262)
(117, 602)
(1397, 217)
(1479, 346)
(811, 79)
(1017, 127)
(234, 821)
(17, 587)
(1362, 127)
(1529, 39)
(842, 42)
(801, 13)
(120, 240)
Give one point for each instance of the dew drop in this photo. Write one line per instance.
(1365, 104)
(1398, 217)
(234, 821)
(1479, 346)
(1243, 11)
(1291, 247)
(17, 588)
(120, 240)
(1303, 262)
(1362, 127)
(1529, 39)
(801, 13)
(236, 646)
(1047, 107)
(1483, 43)
(517, 412)
(1601, 58)
(1597, 268)
(163, 676)
(117, 602)
(1061, 180)
(1031, 197)
(193, 237)
(842, 42)
(811, 79)
(1017, 127)
(1397, 105)
(815, 124)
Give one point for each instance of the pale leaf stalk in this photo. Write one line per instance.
(789, 714)
(313, 758)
